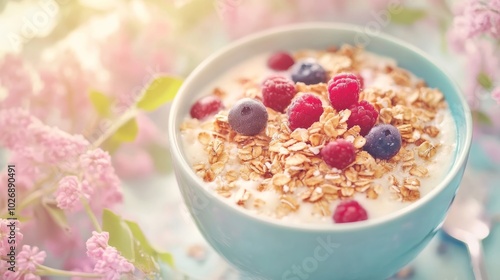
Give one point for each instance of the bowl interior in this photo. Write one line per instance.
(321, 36)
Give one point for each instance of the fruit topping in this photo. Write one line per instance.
(206, 106)
(248, 117)
(364, 115)
(280, 61)
(383, 141)
(308, 72)
(277, 93)
(304, 111)
(349, 211)
(339, 153)
(343, 91)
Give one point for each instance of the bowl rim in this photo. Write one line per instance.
(175, 148)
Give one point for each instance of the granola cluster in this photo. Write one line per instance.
(288, 163)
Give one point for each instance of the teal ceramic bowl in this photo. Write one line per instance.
(262, 248)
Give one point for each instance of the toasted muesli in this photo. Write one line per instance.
(303, 143)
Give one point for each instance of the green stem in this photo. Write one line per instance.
(91, 215)
(30, 199)
(123, 119)
(43, 270)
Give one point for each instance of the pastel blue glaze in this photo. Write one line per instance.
(266, 249)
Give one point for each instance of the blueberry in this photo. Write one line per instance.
(308, 72)
(383, 141)
(248, 117)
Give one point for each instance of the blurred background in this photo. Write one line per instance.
(54, 52)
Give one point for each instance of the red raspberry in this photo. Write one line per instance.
(364, 115)
(280, 61)
(343, 90)
(206, 106)
(304, 111)
(339, 153)
(346, 75)
(349, 211)
(277, 93)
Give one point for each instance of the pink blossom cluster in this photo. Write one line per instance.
(475, 18)
(46, 122)
(28, 137)
(70, 191)
(97, 175)
(26, 264)
(108, 260)
(38, 144)
(475, 33)
(35, 148)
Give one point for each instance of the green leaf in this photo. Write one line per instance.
(111, 145)
(481, 118)
(407, 16)
(147, 248)
(485, 81)
(166, 258)
(129, 239)
(160, 91)
(57, 214)
(127, 132)
(140, 237)
(101, 102)
(120, 235)
(145, 262)
(161, 158)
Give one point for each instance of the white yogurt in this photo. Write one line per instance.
(256, 69)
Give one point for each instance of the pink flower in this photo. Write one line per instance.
(58, 146)
(38, 142)
(27, 261)
(108, 260)
(111, 264)
(5, 233)
(96, 164)
(101, 175)
(29, 258)
(11, 120)
(97, 244)
(69, 193)
(496, 94)
(475, 18)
